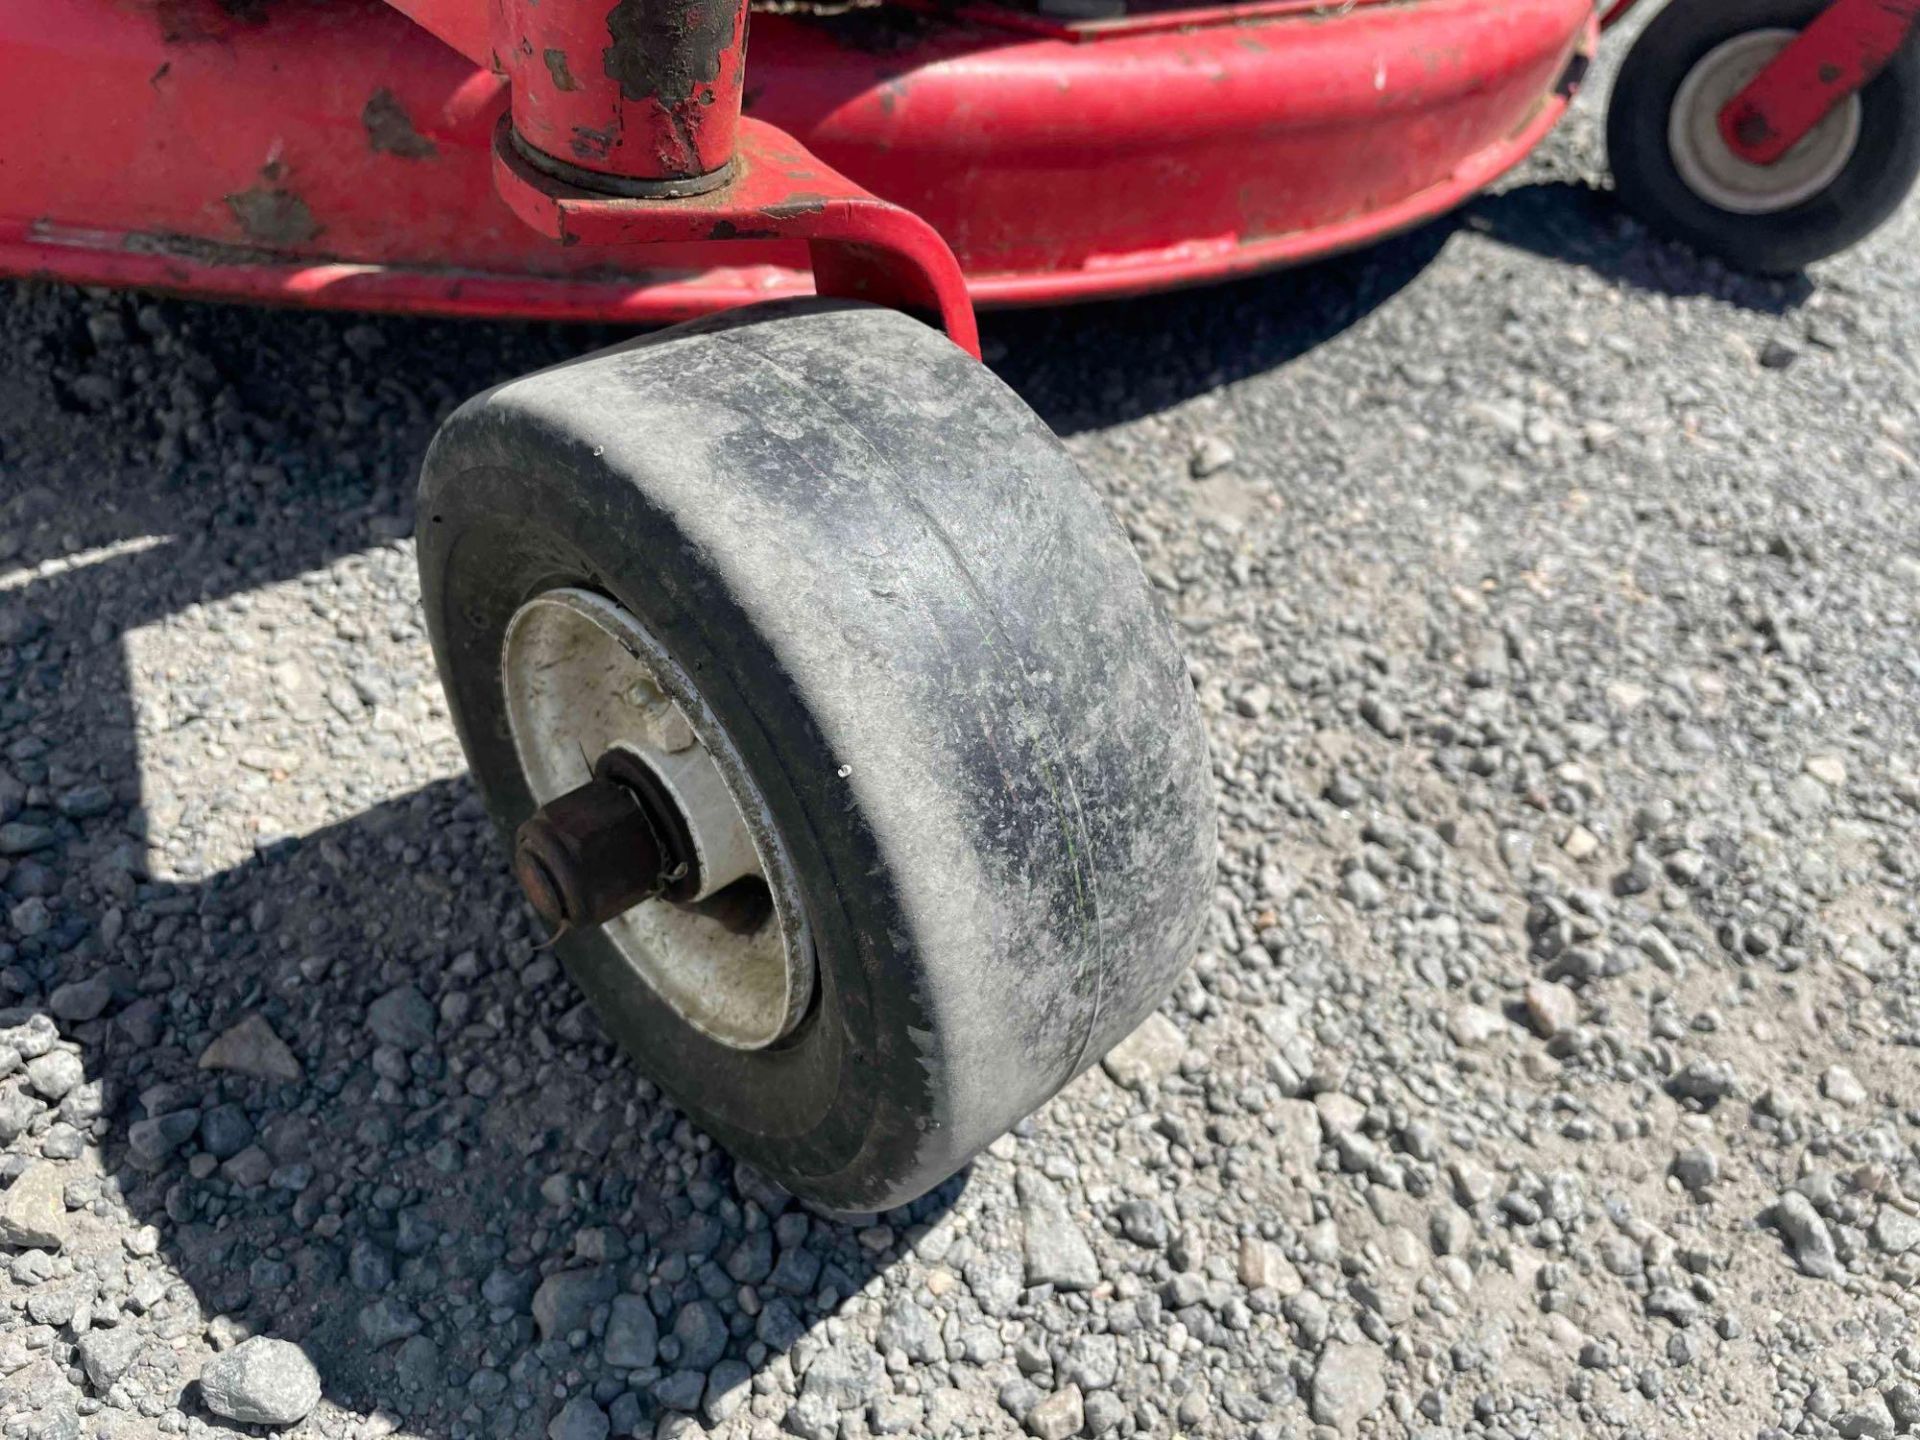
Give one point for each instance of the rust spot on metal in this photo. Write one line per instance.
(557, 68)
(390, 129)
(275, 218)
(664, 52)
(1752, 128)
(687, 158)
(796, 205)
(592, 144)
(184, 22)
(193, 248)
(727, 230)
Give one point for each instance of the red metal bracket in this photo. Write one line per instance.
(862, 247)
(1849, 44)
(1615, 13)
(625, 128)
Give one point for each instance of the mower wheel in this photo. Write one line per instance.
(805, 609)
(1673, 169)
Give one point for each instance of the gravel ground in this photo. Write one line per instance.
(1552, 596)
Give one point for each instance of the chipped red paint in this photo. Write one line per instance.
(860, 247)
(632, 89)
(658, 153)
(1849, 44)
(1055, 168)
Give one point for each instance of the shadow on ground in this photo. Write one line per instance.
(1577, 224)
(391, 1214)
(1091, 366)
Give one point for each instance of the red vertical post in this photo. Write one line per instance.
(632, 97)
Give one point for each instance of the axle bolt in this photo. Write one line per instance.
(589, 855)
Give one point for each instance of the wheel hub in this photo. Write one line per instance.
(597, 851)
(1720, 177)
(663, 839)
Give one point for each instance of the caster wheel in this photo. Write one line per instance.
(842, 738)
(1672, 169)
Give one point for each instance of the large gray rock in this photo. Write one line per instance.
(153, 1140)
(386, 1320)
(1264, 1266)
(251, 1048)
(1059, 1415)
(633, 1335)
(261, 1382)
(1057, 1252)
(1150, 1053)
(81, 1000)
(848, 1374)
(579, 1419)
(681, 1390)
(729, 1386)
(813, 1417)
(1806, 1235)
(1091, 1362)
(33, 1212)
(1551, 1008)
(402, 1017)
(55, 1073)
(1895, 1232)
(994, 1278)
(416, 1364)
(908, 1328)
(566, 1298)
(106, 1355)
(1350, 1382)
(18, 1111)
(702, 1334)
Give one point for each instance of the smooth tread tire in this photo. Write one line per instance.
(1876, 177)
(939, 662)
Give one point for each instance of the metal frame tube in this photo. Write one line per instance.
(630, 97)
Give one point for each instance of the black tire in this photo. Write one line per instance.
(1870, 187)
(869, 554)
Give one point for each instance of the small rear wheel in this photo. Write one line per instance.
(837, 725)
(1672, 168)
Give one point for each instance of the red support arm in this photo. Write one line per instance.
(625, 129)
(1849, 44)
(863, 248)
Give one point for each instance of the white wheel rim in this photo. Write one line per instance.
(1713, 172)
(582, 676)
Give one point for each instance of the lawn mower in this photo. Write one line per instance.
(840, 742)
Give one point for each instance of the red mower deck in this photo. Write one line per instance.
(338, 154)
